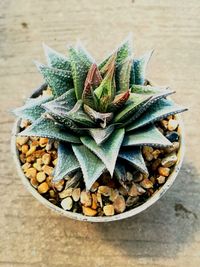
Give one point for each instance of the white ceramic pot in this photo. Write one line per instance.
(78, 216)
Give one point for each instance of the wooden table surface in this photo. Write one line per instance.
(167, 234)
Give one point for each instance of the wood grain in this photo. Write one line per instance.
(167, 234)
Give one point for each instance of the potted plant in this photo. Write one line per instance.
(98, 142)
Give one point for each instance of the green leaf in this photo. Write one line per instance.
(78, 115)
(118, 101)
(66, 164)
(92, 81)
(101, 135)
(134, 156)
(100, 118)
(59, 80)
(55, 59)
(135, 102)
(122, 76)
(80, 65)
(32, 110)
(91, 166)
(44, 127)
(160, 110)
(150, 102)
(139, 68)
(123, 51)
(60, 107)
(147, 136)
(107, 151)
(105, 92)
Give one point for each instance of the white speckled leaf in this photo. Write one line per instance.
(92, 167)
(107, 151)
(100, 135)
(66, 163)
(134, 102)
(160, 110)
(80, 65)
(44, 127)
(123, 51)
(134, 156)
(146, 105)
(32, 110)
(122, 76)
(55, 59)
(139, 68)
(150, 136)
(58, 80)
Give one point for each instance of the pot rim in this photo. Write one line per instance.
(77, 216)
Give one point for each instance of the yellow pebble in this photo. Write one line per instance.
(43, 188)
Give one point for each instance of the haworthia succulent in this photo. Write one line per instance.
(33, 109)
(105, 112)
(58, 80)
(133, 155)
(107, 151)
(160, 110)
(146, 136)
(92, 167)
(44, 127)
(66, 164)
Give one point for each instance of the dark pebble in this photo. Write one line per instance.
(173, 136)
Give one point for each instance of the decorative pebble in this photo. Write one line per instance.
(88, 211)
(104, 190)
(94, 187)
(131, 201)
(148, 152)
(170, 160)
(156, 153)
(67, 203)
(123, 191)
(119, 204)
(41, 177)
(164, 171)
(94, 202)
(30, 151)
(140, 190)
(172, 148)
(59, 185)
(43, 188)
(25, 149)
(37, 166)
(43, 141)
(172, 136)
(34, 182)
(76, 194)
(52, 193)
(99, 199)
(138, 177)
(47, 169)
(66, 193)
(172, 124)
(109, 210)
(31, 173)
(114, 193)
(133, 192)
(161, 179)
(46, 158)
(86, 199)
(146, 183)
(155, 164)
(21, 140)
(26, 166)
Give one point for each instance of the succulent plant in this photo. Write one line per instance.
(101, 114)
